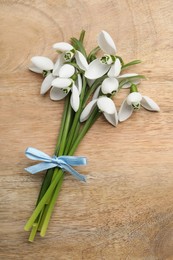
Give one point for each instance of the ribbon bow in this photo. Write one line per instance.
(63, 162)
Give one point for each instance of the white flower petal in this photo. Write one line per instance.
(106, 104)
(62, 46)
(109, 85)
(96, 69)
(79, 83)
(33, 68)
(66, 71)
(43, 63)
(96, 93)
(74, 100)
(112, 118)
(127, 75)
(125, 111)
(61, 82)
(129, 83)
(88, 110)
(81, 61)
(149, 104)
(106, 43)
(58, 64)
(115, 69)
(47, 83)
(57, 94)
(134, 97)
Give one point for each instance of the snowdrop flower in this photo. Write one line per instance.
(105, 105)
(107, 63)
(41, 64)
(110, 85)
(66, 82)
(133, 102)
(45, 66)
(68, 53)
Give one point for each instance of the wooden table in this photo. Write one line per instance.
(125, 211)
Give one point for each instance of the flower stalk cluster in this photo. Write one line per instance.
(88, 84)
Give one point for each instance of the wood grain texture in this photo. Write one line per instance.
(125, 211)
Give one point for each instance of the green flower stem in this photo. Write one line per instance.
(66, 126)
(58, 173)
(76, 118)
(45, 184)
(45, 208)
(35, 227)
(51, 207)
(33, 232)
(44, 199)
(76, 133)
(49, 173)
(63, 121)
(84, 130)
(91, 90)
(66, 130)
(133, 88)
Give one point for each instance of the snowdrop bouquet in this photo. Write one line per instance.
(88, 84)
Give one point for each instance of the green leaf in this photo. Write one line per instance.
(124, 81)
(92, 54)
(78, 46)
(134, 62)
(82, 35)
(121, 60)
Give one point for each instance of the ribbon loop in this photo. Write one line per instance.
(63, 162)
(35, 154)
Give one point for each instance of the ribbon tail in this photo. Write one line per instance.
(77, 175)
(73, 160)
(40, 167)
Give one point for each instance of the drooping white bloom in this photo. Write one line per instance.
(107, 63)
(39, 64)
(63, 84)
(133, 102)
(110, 85)
(68, 53)
(105, 105)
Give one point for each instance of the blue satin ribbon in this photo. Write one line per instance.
(63, 162)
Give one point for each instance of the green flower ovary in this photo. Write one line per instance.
(46, 72)
(74, 77)
(66, 90)
(107, 59)
(68, 55)
(136, 105)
